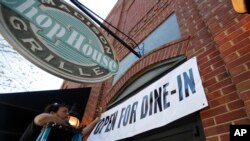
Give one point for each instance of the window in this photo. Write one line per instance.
(146, 78)
(168, 31)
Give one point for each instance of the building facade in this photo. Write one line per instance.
(168, 33)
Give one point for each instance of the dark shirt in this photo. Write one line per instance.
(57, 133)
(31, 133)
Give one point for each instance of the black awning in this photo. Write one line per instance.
(18, 109)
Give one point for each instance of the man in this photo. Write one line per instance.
(53, 113)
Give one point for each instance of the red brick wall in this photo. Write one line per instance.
(210, 30)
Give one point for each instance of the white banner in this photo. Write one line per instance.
(175, 95)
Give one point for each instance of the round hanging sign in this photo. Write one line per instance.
(58, 38)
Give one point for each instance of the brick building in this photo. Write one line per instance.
(168, 33)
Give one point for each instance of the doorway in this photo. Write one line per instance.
(188, 128)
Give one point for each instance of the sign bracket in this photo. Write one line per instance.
(87, 11)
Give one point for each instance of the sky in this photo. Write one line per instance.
(20, 76)
(100, 7)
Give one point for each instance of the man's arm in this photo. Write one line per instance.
(90, 127)
(44, 118)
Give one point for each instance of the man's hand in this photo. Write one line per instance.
(99, 111)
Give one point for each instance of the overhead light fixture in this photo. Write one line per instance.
(73, 117)
(74, 121)
(241, 6)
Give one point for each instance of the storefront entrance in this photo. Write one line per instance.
(188, 128)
